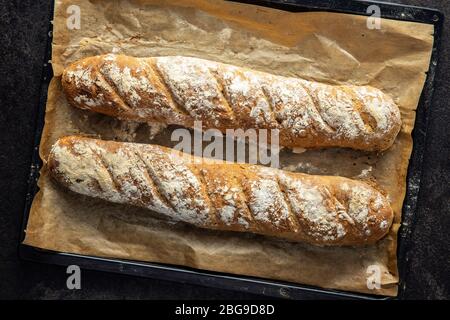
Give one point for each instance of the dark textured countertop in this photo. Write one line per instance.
(23, 36)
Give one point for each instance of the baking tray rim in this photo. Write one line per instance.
(267, 287)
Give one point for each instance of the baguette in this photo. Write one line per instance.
(180, 90)
(319, 210)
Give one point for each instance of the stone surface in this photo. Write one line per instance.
(23, 28)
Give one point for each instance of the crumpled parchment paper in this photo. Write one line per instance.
(328, 47)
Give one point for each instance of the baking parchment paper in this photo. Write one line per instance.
(327, 47)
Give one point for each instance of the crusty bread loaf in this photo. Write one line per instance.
(321, 210)
(180, 90)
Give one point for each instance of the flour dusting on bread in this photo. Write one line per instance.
(319, 210)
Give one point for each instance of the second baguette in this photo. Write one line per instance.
(320, 210)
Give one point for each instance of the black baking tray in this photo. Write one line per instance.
(254, 285)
